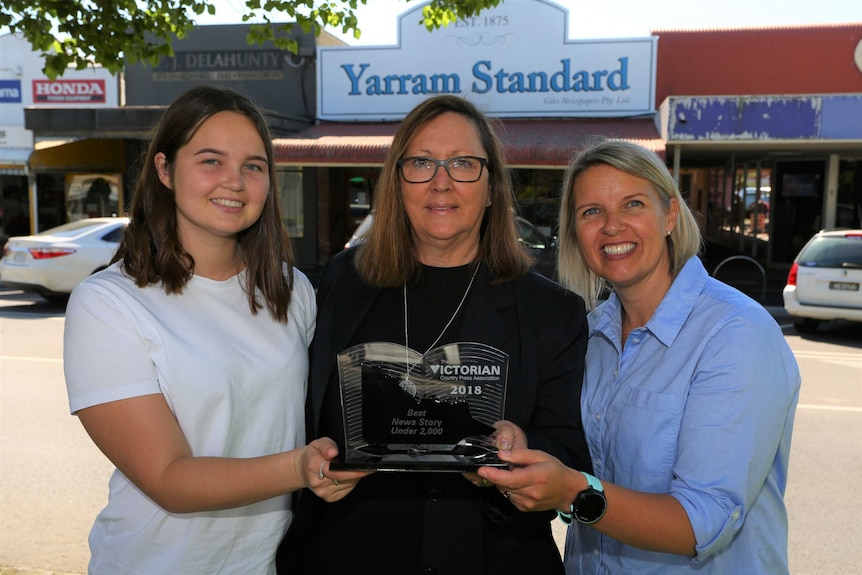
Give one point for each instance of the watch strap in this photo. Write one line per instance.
(593, 482)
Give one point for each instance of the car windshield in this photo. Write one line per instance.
(71, 229)
(530, 235)
(833, 252)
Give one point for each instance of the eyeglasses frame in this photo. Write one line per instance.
(483, 163)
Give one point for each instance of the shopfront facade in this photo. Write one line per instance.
(35, 182)
(87, 151)
(762, 127)
(549, 95)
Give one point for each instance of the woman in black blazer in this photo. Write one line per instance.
(442, 264)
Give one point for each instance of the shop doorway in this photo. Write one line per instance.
(797, 192)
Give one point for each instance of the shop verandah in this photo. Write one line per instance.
(758, 212)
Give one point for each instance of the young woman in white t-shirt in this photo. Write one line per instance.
(186, 360)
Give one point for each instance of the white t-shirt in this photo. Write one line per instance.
(236, 384)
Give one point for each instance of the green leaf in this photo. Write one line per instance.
(113, 33)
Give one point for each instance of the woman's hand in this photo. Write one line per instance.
(535, 481)
(506, 436)
(476, 480)
(313, 470)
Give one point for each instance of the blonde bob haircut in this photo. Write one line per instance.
(388, 256)
(683, 243)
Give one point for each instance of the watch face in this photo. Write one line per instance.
(590, 506)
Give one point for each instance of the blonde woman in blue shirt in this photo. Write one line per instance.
(689, 392)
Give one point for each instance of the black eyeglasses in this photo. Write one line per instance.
(418, 170)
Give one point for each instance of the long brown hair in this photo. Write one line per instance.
(151, 252)
(387, 258)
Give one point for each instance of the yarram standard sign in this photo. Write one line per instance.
(512, 61)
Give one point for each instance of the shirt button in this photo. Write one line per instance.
(616, 372)
(596, 552)
(598, 416)
(435, 495)
(735, 514)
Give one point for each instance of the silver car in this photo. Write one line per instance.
(824, 281)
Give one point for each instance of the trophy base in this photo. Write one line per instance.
(425, 458)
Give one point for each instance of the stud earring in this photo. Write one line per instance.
(668, 232)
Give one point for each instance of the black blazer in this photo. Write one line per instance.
(543, 329)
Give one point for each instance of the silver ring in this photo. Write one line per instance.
(320, 471)
(507, 494)
(336, 482)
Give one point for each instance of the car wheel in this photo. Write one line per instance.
(806, 325)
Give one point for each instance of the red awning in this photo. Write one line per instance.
(537, 142)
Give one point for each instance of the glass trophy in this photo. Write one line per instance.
(407, 412)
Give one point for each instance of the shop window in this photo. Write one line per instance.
(537, 193)
(717, 210)
(290, 196)
(751, 207)
(92, 195)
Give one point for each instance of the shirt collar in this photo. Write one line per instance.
(669, 317)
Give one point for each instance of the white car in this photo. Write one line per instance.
(53, 262)
(824, 281)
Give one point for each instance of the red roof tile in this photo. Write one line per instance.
(814, 59)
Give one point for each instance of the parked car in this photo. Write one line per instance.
(542, 248)
(53, 262)
(824, 281)
(360, 231)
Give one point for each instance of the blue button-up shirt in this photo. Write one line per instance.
(699, 404)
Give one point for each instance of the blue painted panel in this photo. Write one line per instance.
(780, 119)
(841, 118)
(762, 118)
(10, 91)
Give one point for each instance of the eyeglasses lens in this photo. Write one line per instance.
(460, 169)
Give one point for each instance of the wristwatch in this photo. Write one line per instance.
(590, 504)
